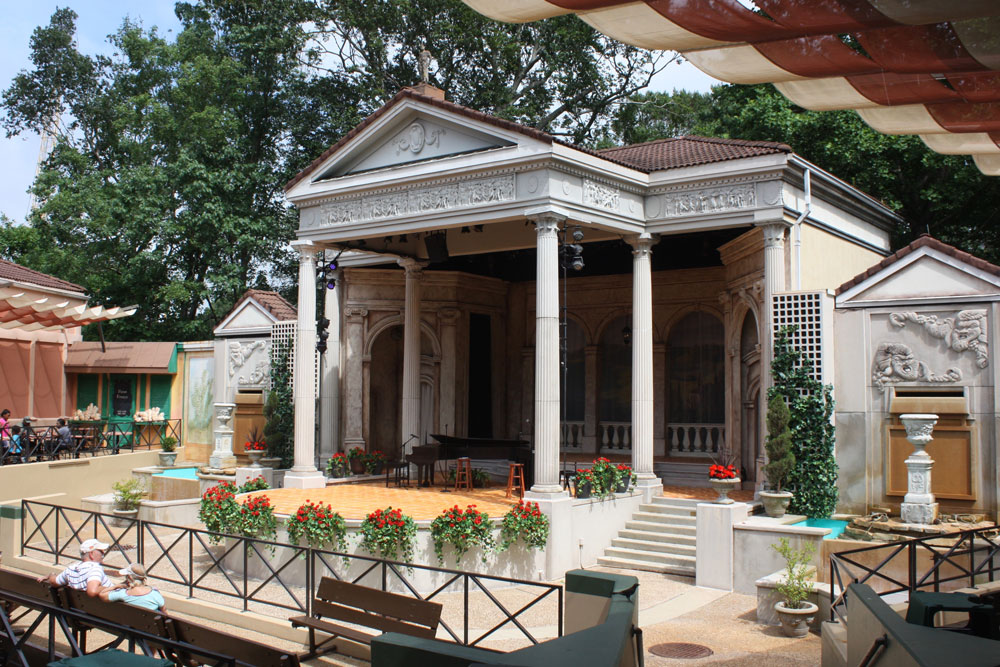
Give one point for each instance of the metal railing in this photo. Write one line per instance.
(951, 560)
(217, 567)
(88, 439)
(695, 439)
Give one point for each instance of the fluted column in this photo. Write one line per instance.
(547, 356)
(774, 282)
(304, 474)
(642, 361)
(329, 386)
(410, 421)
(354, 389)
(448, 319)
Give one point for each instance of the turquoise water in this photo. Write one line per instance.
(183, 473)
(836, 526)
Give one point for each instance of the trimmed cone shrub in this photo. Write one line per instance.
(780, 459)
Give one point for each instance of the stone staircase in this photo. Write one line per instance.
(660, 537)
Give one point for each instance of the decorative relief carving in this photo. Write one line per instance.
(598, 194)
(894, 363)
(709, 200)
(256, 356)
(415, 137)
(966, 332)
(417, 200)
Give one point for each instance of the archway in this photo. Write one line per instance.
(749, 427)
(696, 387)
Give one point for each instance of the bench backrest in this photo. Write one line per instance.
(245, 651)
(26, 585)
(376, 609)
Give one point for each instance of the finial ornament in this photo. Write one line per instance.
(425, 64)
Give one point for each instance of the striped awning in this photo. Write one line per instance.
(925, 67)
(29, 311)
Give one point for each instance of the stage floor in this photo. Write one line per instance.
(357, 500)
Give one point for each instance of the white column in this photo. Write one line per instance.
(642, 365)
(774, 282)
(304, 474)
(547, 357)
(410, 421)
(329, 386)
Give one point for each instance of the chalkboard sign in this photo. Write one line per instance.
(122, 400)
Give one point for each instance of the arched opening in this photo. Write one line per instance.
(696, 386)
(573, 388)
(750, 411)
(614, 405)
(386, 392)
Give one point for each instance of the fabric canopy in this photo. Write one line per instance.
(922, 67)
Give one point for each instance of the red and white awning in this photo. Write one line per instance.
(28, 311)
(925, 67)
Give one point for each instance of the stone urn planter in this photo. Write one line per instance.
(357, 466)
(776, 502)
(255, 455)
(167, 459)
(723, 487)
(273, 462)
(795, 622)
(124, 518)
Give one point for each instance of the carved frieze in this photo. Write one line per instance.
(707, 200)
(380, 206)
(965, 332)
(252, 361)
(894, 363)
(598, 194)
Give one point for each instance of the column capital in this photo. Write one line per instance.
(305, 248)
(643, 243)
(449, 316)
(774, 233)
(355, 314)
(411, 266)
(546, 222)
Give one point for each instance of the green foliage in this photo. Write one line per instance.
(319, 526)
(526, 522)
(810, 405)
(256, 520)
(168, 444)
(128, 493)
(780, 458)
(219, 510)
(462, 529)
(797, 583)
(388, 533)
(255, 484)
(279, 411)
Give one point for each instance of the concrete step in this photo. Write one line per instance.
(678, 560)
(677, 502)
(660, 546)
(647, 566)
(662, 527)
(834, 647)
(670, 510)
(657, 517)
(657, 536)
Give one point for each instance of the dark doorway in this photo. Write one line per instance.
(480, 376)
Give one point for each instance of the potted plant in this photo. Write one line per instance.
(462, 529)
(583, 483)
(128, 493)
(605, 478)
(255, 447)
(795, 611)
(373, 462)
(389, 533)
(526, 522)
(626, 478)
(319, 526)
(724, 479)
(357, 456)
(780, 459)
(167, 452)
(338, 465)
(219, 510)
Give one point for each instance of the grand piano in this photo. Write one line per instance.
(452, 447)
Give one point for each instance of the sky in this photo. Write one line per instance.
(99, 18)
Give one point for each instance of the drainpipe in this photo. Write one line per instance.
(797, 229)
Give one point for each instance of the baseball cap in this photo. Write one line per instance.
(92, 545)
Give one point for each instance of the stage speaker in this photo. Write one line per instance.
(437, 246)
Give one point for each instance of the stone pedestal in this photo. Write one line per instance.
(222, 457)
(715, 543)
(560, 551)
(918, 504)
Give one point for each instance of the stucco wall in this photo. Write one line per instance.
(829, 260)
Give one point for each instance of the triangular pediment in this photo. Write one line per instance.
(926, 275)
(409, 138)
(248, 317)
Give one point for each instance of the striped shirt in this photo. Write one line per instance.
(78, 574)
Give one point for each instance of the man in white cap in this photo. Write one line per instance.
(86, 575)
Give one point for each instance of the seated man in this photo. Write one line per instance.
(86, 575)
(65, 442)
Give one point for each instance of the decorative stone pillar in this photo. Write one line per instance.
(410, 419)
(304, 474)
(329, 386)
(223, 456)
(354, 390)
(918, 504)
(591, 442)
(642, 365)
(547, 357)
(774, 282)
(448, 318)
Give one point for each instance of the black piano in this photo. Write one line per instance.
(453, 447)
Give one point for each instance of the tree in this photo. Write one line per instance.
(780, 459)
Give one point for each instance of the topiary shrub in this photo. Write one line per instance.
(810, 406)
(780, 459)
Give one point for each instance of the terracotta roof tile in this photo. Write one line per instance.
(12, 271)
(689, 150)
(923, 241)
(274, 302)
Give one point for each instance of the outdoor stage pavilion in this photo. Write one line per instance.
(445, 316)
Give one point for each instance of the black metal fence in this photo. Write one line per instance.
(43, 443)
(280, 579)
(935, 563)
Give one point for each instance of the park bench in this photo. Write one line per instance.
(367, 607)
(245, 652)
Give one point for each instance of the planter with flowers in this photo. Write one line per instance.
(526, 522)
(626, 478)
(338, 465)
(389, 534)
(463, 530)
(723, 478)
(357, 457)
(373, 462)
(256, 484)
(319, 526)
(583, 483)
(219, 510)
(256, 519)
(255, 447)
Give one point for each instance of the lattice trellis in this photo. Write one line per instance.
(810, 313)
(282, 340)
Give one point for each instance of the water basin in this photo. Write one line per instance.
(836, 526)
(180, 473)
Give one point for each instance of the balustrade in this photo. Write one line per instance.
(571, 434)
(695, 439)
(615, 436)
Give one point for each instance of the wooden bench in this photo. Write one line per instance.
(246, 652)
(367, 607)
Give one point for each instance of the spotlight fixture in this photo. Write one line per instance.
(402, 238)
(322, 333)
(466, 230)
(627, 335)
(478, 228)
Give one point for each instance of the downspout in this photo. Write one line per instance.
(797, 229)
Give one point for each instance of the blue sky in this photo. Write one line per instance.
(96, 20)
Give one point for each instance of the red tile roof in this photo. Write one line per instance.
(923, 241)
(652, 156)
(22, 274)
(687, 151)
(272, 301)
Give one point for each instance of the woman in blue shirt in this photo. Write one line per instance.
(135, 591)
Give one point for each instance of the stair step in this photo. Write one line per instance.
(667, 510)
(648, 566)
(661, 527)
(677, 502)
(680, 560)
(654, 545)
(676, 519)
(657, 536)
